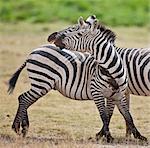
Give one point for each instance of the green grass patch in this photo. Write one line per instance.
(114, 12)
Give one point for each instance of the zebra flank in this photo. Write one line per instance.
(63, 70)
(137, 62)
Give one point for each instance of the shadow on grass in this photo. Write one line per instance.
(59, 140)
(127, 141)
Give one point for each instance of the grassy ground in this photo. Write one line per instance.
(56, 121)
(135, 12)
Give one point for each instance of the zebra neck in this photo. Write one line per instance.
(108, 58)
(105, 52)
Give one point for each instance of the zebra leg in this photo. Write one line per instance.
(25, 100)
(100, 103)
(110, 105)
(128, 131)
(122, 106)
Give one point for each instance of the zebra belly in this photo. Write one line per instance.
(79, 95)
(134, 92)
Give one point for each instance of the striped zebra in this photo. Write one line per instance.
(139, 58)
(75, 75)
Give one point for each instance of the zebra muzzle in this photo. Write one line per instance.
(52, 37)
(58, 41)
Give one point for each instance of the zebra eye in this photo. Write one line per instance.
(79, 34)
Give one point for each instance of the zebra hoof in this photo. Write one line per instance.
(128, 136)
(142, 138)
(139, 136)
(24, 132)
(25, 126)
(99, 135)
(16, 128)
(110, 139)
(128, 133)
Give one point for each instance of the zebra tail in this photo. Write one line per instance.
(14, 78)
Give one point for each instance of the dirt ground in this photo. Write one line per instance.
(56, 121)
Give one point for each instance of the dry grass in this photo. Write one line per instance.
(56, 121)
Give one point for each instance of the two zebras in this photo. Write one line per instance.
(75, 75)
(137, 61)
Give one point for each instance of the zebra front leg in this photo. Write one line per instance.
(122, 106)
(110, 105)
(100, 103)
(25, 100)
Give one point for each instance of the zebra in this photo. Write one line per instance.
(142, 66)
(75, 75)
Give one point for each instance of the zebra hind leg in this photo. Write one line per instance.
(122, 106)
(21, 119)
(110, 108)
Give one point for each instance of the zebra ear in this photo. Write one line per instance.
(94, 25)
(91, 19)
(81, 22)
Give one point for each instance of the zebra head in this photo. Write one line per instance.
(88, 39)
(78, 39)
(81, 25)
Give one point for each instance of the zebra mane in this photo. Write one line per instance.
(110, 34)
